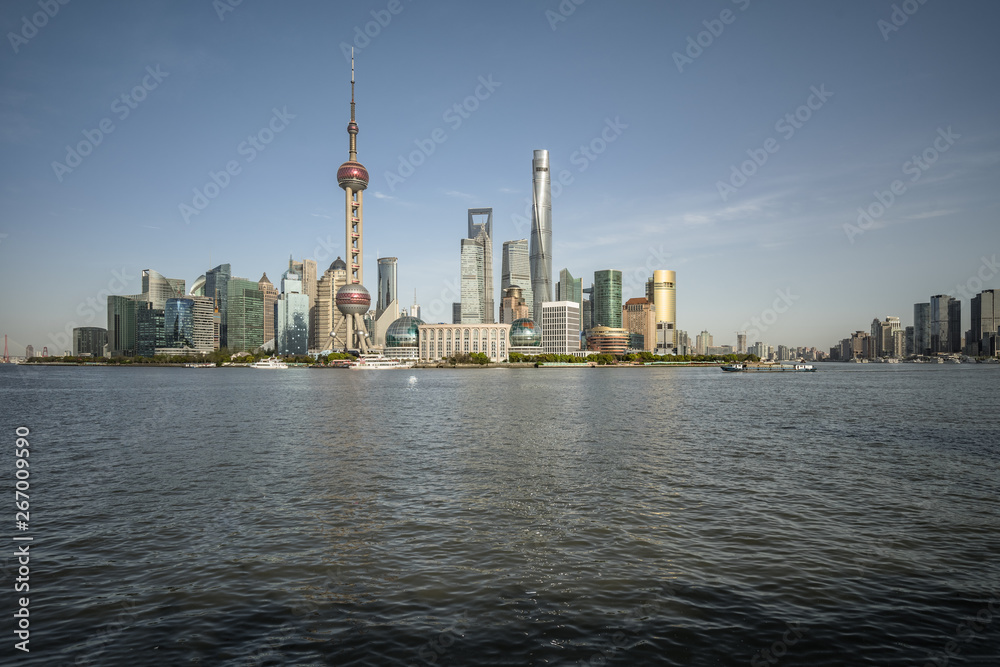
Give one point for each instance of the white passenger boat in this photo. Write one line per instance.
(272, 362)
(377, 362)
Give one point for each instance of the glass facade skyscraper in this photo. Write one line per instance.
(122, 325)
(516, 270)
(607, 299)
(291, 318)
(922, 328)
(387, 285)
(587, 316)
(940, 311)
(985, 317)
(217, 288)
(472, 307)
(150, 333)
(954, 326)
(481, 231)
(245, 317)
(178, 323)
(570, 289)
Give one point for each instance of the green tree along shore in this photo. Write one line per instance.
(603, 359)
(219, 357)
(645, 357)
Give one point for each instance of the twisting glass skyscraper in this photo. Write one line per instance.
(541, 232)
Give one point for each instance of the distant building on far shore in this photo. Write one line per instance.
(89, 341)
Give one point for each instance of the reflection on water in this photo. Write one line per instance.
(550, 516)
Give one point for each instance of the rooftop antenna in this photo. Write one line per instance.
(352, 127)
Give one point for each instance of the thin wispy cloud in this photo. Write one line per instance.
(931, 214)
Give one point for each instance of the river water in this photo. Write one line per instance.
(673, 516)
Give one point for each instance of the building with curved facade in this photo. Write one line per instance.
(540, 254)
(178, 323)
(513, 306)
(188, 325)
(89, 341)
(516, 272)
(198, 287)
(524, 333)
(402, 338)
(158, 288)
(661, 291)
(608, 340)
(404, 332)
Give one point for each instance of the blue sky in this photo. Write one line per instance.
(664, 121)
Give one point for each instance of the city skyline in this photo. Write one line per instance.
(815, 215)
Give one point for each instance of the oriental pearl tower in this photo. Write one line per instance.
(353, 300)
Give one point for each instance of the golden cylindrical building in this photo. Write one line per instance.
(662, 293)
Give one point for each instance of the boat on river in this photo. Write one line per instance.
(376, 362)
(270, 363)
(769, 368)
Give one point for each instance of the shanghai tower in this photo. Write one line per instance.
(540, 254)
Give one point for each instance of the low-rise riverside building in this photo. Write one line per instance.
(441, 341)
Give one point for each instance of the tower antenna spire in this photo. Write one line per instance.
(352, 127)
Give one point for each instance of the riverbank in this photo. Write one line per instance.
(525, 364)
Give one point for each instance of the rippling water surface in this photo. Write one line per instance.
(510, 517)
